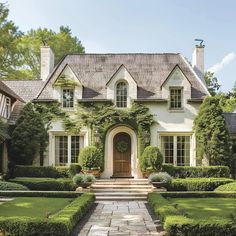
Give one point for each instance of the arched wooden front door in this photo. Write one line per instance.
(122, 155)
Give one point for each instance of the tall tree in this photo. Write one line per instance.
(212, 83)
(211, 133)
(9, 51)
(62, 43)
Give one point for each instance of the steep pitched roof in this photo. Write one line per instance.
(148, 70)
(26, 89)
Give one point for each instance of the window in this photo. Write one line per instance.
(176, 150)
(8, 107)
(67, 149)
(175, 98)
(121, 94)
(67, 98)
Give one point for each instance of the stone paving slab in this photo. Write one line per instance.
(114, 218)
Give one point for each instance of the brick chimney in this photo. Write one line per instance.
(198, 58)
(47, 61)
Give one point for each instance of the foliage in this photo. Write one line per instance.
(64, 82)
(198, 194)
(212, 83)
(197, 184)
(64, 171)
(226, 187)
(61, 42)
(151, 157)
(5, 186)
(212, 135)
(227, 101)
(83, 178)
(36, 171)
(9, 51)
(197, 171)
(74, 169)
(90, 157)
(46, 184)
(60, 224)
(160, 177)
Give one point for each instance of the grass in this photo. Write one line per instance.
(33, 207)
(205, 208)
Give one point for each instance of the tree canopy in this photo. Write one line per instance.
(212, 83)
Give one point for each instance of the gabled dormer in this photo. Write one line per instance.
(176, 89)
(122, 88)
(67, 88)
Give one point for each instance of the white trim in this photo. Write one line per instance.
(108, 159)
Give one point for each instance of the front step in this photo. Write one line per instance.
(120, 198)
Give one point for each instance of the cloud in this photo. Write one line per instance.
(225, 61)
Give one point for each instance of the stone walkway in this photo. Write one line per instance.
(112, 218)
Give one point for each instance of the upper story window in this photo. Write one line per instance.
(121, 94)
(176, 98)
(8, 107)
(67, 98)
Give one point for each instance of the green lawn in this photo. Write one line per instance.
(206, 208)
(34, 207)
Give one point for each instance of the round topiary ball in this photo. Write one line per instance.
(90, 157)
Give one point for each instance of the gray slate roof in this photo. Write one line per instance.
(230, 119)
(8, 91)
(26, 89)
(148, 70)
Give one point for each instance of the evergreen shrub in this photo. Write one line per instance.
(90, 157)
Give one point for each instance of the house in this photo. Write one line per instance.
(166, 83)
(8, 103)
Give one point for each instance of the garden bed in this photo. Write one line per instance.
(43, 216)
(191, 215)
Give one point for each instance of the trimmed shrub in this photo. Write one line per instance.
(227, 187)
(197, 184)
(46, 184)
(36, 171)
(83, 178)
(63, 171)
(160, 177)
(74, 169)
(151, 157)
(61, 224)
(197, 171)
(90, 157)
(5, 186)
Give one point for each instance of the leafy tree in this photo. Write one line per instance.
(212, 133)
(62, 43)
(227, 101)
(212, 83)
(9, 51)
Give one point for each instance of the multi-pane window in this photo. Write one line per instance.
(176, 150)
(121, 94)
(68, 98)
(67, 149)
(175, 98)
(8, 107)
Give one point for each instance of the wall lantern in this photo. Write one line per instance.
(96, 136)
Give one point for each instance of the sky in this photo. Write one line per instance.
(152, 26)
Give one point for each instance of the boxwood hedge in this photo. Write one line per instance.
(227, 187)
(11, 186)
(60, 224)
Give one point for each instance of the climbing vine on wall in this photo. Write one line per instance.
(101, 117)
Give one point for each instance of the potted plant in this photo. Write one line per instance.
(90, 159)
(160, 180)
(83, 180)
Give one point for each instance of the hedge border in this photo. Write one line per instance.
(60, 224)
(176, 224)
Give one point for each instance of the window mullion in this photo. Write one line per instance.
(175, 150)
(69, 150)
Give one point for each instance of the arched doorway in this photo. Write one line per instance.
(122, 155)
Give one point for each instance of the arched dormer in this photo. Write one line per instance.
(122, 88)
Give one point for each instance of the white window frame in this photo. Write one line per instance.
(127, 95)
(181, 99)
(8, 107)
(175, 135)
(62, 99)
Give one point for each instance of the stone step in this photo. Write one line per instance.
(121, 183)
(96, 186)
(122, 190)
(122, 194)
(121, 198)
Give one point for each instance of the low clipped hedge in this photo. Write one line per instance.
(6, 186)
(60, 224)
(197, 184)
(176, 224)
(46, 184)
(226, 187)
(37, 171)
(197, 171)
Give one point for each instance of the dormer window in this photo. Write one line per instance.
(176, 98)
(121, 94)
(67, 98)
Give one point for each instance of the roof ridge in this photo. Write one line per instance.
(128, 53)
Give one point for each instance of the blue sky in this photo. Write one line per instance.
(142, 26)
